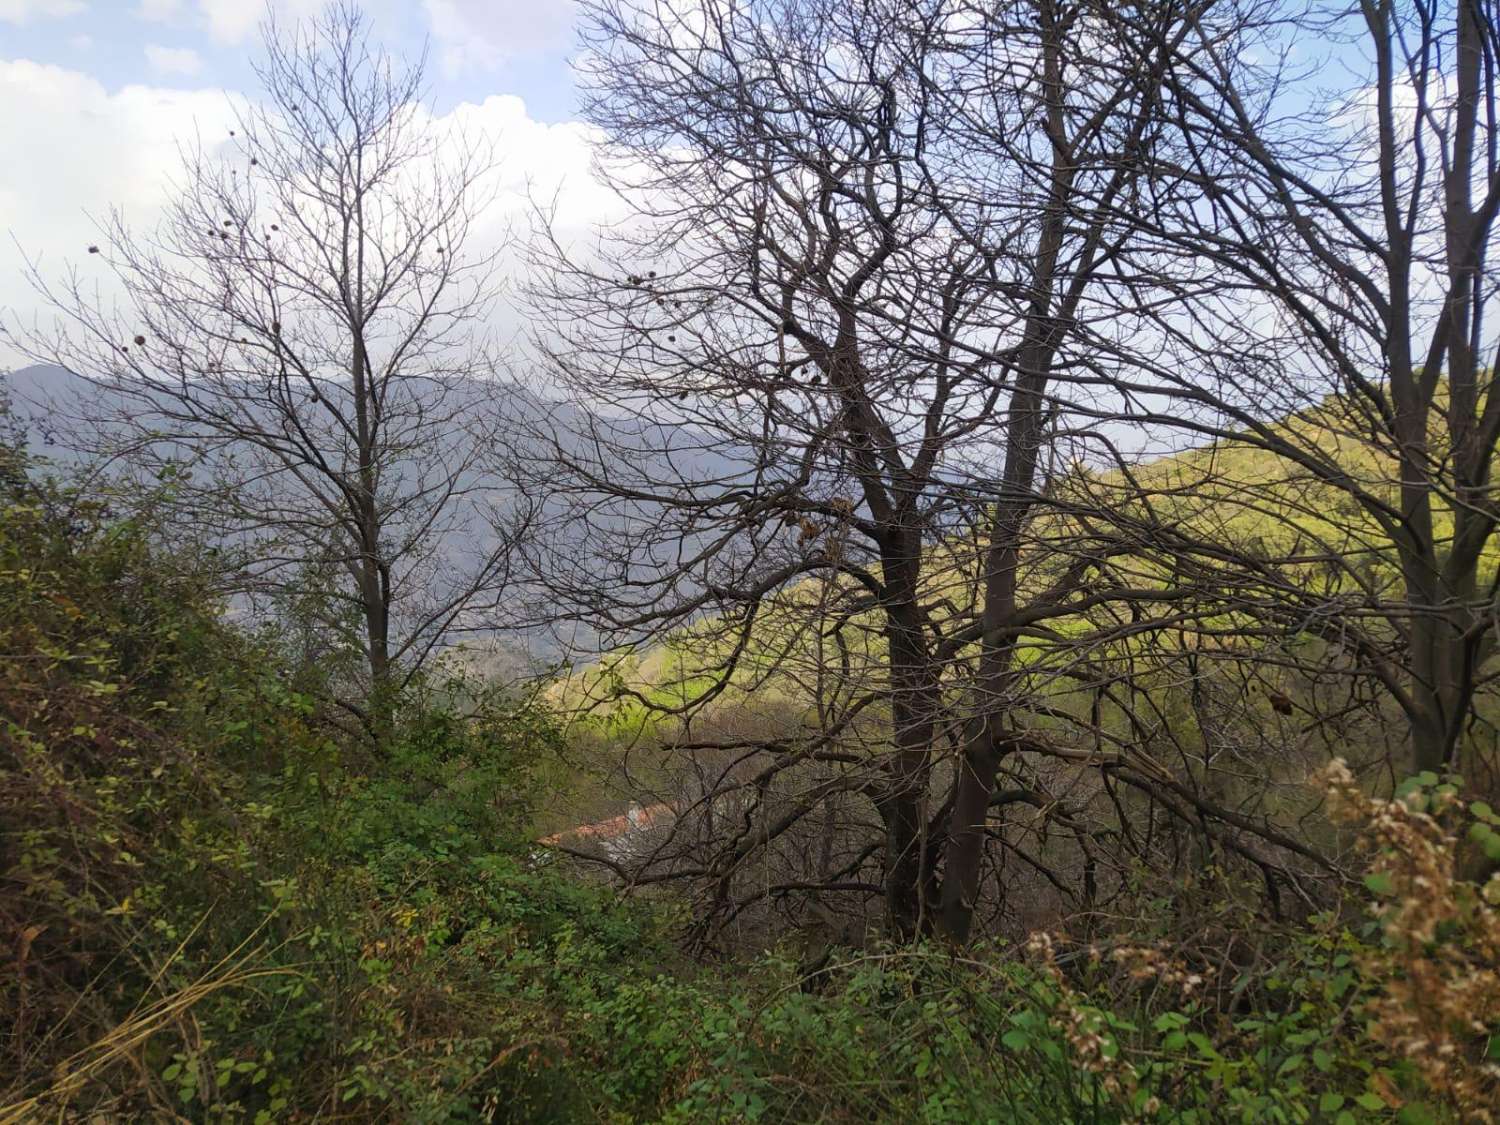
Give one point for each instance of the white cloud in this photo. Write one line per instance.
(534, 160)
(481, 34)
(86, 150)
(173, 60)
(227, 22)
(89, 149)
(24, 11)
(230, 21)
(235, 21)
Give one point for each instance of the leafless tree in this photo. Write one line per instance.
(876, 251)
(304, 341)
(1336, 284)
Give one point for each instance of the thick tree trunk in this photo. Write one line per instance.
(377, 632)
(974, 787)
(975, 783)
(903, 807)
(373, 585)
(1025, 430)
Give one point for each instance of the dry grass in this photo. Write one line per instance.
(124, 1045)
(1438, 1003)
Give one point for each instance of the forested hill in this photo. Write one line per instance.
(69, 420)
(1224, 498)
(227, 904)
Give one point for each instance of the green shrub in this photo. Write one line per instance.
(308, 925)
(222, 908)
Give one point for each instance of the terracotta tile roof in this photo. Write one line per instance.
(613, 828)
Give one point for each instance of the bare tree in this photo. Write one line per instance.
(870, 242)
(1336, 286)
(304, 339)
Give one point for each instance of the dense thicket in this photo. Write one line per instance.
(1033, 464)
(220, 909)
(947, 643)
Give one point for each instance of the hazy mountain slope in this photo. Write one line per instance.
(1234, 495)
(50, 405)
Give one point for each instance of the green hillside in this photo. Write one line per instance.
(1237, 497)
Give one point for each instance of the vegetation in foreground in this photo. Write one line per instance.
(219, 907)
(251, 881)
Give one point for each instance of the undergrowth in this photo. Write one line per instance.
(217, 907)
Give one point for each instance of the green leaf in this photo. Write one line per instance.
(1378, 882)
(1371, 1101)
(1016, 1039)
(1204, 1044)
(1330, 1102)
(1169, 1021)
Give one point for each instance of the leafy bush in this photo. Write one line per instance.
(1436, 966)
(218, 905)
(222, 908)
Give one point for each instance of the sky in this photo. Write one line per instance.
(96, 95)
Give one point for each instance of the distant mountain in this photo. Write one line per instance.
(48, 403)
(31, 394)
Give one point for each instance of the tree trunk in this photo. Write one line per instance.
(975, 783)
(913, 703)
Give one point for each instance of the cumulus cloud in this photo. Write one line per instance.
(173, 60)
(86, 149)
(235, 21)
(89, 150)
(25, 11)
(160, 11)
(534, 161)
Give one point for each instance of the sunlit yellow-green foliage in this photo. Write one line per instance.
(1236, 497)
